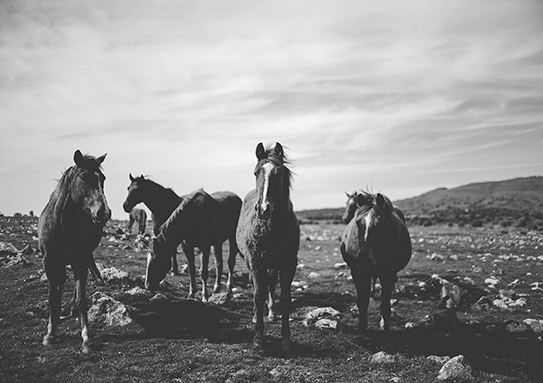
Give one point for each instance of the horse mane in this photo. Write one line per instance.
(282, 161)
(156, 185)
(62, 190)
(371, 202)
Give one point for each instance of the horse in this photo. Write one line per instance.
(162, 202)
(138, 216)
(69, 229)
(268, 236)
(201, 220)
(375, 244)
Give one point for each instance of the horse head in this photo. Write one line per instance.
(87, 187)
(350, 207)
(137, 192)
(378, 210)
(159, 262)
(272, 179)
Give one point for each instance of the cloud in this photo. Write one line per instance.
(380, 93)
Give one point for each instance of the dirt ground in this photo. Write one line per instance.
(180, 340)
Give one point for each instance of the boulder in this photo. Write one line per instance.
(315, 315)
(451, 294)
(536, 325)
(381, 357)
(108, 311)
(458, 368)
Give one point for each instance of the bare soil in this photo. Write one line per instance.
(181, 340)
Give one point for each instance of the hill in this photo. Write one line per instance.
(517, 202)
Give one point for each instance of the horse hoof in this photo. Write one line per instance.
(49, 340)
(204, 299)
(86, 349)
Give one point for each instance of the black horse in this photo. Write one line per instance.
(69, 229)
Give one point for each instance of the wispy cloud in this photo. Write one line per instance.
(362, 93)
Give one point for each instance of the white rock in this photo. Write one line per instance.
(108, 310)
(456, 368)
(314, 275)
(325, 323)
(381, 357)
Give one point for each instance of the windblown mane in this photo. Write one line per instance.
(60, 195)
(282, 161)
(172, 194)
(371, 203)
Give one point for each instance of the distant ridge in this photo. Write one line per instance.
(524, 194)
(517, 201)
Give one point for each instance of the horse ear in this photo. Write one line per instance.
(101, 158)
(78, 157)
(260, 151)
(380, 200)
(360, 200)
(130, 177)
(278, 150)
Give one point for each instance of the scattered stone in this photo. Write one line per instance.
(395, 379)
(451, 294)
(158, 297)
(320, 313)
(340, 265)
(314, 275)
(220, 298)
(239, 376)
(436, 257)
(326, 323)
(536, 325)
(518, 328)
(439, 359)
(108, 311)
(483, 304)
(300, 266)
(456, 368)
(381, 357)
(492, 282)
(138, 291)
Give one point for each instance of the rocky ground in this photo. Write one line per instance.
(469, 307)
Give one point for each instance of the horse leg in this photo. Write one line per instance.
(189, 253)
(175, 266)
(272, 282)
(260, 285)
(362, 282)
(56, 280)
(204, 270)
(231, 263)
(130, 223)
(285, 280)
(387, 286)
(217, 252)
(80, 276)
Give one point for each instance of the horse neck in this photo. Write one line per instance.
(162, 202)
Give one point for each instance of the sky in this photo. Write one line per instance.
(394, 96)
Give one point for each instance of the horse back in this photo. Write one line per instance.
(228, 211)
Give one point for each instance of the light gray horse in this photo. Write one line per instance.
(268, 235)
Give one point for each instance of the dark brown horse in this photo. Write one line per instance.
(268, 236)
(69, 229)
(375, 244)
(160, 200)
(138, 216)
(201, 220)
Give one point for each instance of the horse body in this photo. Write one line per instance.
(375, 244)
(69, 229)
(138, 216)
(201, 220)
(268, 236)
